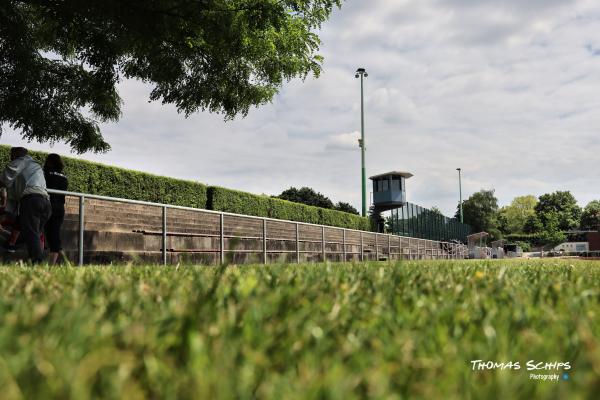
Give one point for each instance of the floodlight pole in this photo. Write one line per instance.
(460, 195)
(362, 73)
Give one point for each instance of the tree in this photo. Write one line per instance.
(306, 196)
(512, 218)
(346, 207)
(60, 61)
(378, 222)
(552, 234)
(533, 225)
(480, 211)
(559, 207)
(590, 218)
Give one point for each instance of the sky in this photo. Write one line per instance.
(506, 90)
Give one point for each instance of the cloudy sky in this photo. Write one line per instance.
(508, 90)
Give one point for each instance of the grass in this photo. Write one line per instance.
(335, 331)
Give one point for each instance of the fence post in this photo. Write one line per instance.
(297, 243)
(400, 249)
(389, 247)
(362, 248)
(264, 240)
(376, 247)
(222, 240)
(323, 243)
(81, 228)
(164, 235)
(344, 244)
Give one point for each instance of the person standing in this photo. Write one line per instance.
(25, 178)
(55, 179)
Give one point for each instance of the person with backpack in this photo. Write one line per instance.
(25, 177)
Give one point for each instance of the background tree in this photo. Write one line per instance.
(533, 225)
(346, 207)
(306, 196)
(590, 218)
(512, 218)
(60, 61)
(378, 222)
(560, 208)
(436, 210)
(552, 234)
(480, 211)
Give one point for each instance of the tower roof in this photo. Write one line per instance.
(405, 175)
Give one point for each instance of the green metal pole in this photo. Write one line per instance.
(460, 194)
(362, 148)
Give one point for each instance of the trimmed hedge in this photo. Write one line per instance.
(94, 178)
(99, 179)
(233, 201)
(524, 237)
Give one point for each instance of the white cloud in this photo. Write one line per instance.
(343, 141)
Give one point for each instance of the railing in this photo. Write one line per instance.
(436, 249)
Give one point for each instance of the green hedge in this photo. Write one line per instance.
(94, 178)
(531, 239)
(523, 237)
(233, 201)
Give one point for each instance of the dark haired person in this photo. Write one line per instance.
(55, 179)
(25, 178)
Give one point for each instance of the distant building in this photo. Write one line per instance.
(407, 219)
(577, 240)
(573, 247)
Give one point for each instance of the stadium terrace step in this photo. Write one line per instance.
(155, 257)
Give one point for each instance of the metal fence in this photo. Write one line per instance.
(353, 242)
(418, 222)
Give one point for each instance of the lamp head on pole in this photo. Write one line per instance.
(361, 72)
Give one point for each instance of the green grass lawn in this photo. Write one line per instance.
(336, 331)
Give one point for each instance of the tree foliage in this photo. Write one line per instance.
(552, 234)
(378, 222)
(533, 224)
(590, 218)
(513, 218)
(346, 207)
(306, 196)
(480, 211)
(554, 214)
(60, 61)
(558, 208)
